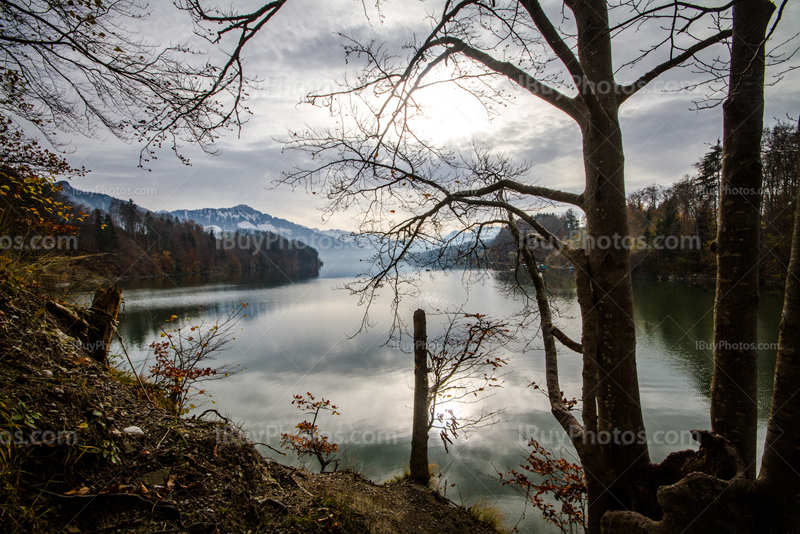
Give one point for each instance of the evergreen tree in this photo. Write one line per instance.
(97, 226)
(110, 237)
(709, 171)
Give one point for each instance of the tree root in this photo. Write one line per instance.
(695, 493)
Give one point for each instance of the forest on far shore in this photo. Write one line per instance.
(674, 227)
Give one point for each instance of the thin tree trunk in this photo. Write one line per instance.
(780, 466)
(583, 437)
(734, 387)
(419, 433)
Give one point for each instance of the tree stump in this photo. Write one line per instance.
(103, 321)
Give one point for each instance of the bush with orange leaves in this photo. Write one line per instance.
(308, 441)
(562, 479)
(181, 359)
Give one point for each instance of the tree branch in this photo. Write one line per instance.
(566, 341)
(552, 96)
(626, 91)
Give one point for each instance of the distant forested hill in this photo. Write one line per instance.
(132, 241)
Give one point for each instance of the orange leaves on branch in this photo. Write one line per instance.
(180, 359)
(555, 476)
(309, 441)
(28, 186)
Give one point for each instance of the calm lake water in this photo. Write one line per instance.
(297, 338)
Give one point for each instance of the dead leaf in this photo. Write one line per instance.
(113, 488)
(194, 485)
(78, 491)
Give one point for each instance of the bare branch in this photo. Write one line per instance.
(626, 91)
(552, 96)
(566, 341)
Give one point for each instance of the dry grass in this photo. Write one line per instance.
(487, 514)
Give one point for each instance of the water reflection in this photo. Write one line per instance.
(298, 337)
(676, 323)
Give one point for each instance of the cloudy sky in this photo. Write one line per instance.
(300, 51)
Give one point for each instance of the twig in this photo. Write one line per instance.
(270, 447)
(216, 412)
(163, 438)
(141, 384)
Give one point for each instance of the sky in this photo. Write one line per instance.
(300, 51)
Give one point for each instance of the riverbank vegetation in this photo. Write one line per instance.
(78, 439)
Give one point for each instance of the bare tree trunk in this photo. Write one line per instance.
(618, 405)
(734, 408)
(596, 496)
(583, 437)
(780, 466)
(419, 433)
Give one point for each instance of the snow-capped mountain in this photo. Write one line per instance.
(91, 199)
(333, 245)
(245, 218)
(241, 217)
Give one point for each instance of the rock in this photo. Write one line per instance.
(47, 374)
(278, 505)
(154, 478)
(134, 431)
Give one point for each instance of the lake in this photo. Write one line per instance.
(298, 337)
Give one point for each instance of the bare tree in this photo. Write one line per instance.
(461, 367)
(458, 370)
(74, 66)
(410, 190)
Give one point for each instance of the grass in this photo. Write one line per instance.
(158, 395)
(329, 514)
(399, 477)
(404, 475)
(487, 514)
(13, 510)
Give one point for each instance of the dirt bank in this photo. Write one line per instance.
(72, 462)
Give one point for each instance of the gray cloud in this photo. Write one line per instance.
(299, 51)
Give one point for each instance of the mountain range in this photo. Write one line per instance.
(223, 220)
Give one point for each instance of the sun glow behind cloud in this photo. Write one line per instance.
(301, 52)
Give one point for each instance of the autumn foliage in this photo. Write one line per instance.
(544, 473)
(30, 207)
(181, 359)
(308, 441)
